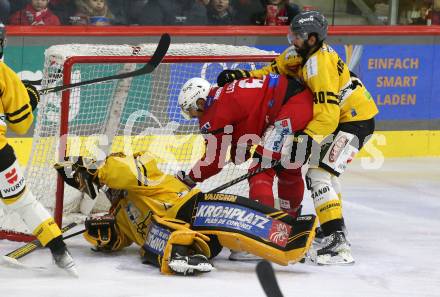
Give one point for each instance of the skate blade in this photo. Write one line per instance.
(182, 267)
(340, 259)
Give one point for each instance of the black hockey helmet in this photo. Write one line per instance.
(2, 38)
(307, 22)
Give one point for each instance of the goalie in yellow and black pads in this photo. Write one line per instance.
(176, 230)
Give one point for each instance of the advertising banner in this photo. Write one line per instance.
(401, 78)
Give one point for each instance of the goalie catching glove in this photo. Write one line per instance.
(227, 76)
(80, 173)
(175, 248)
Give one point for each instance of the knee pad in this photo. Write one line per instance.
(30, 210)
(337, 186)
(325, 199)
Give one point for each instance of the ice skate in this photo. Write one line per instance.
(190, 265)
(335, 250)
(64, 260)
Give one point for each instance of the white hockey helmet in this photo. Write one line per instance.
(194, 89)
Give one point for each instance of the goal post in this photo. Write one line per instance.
(129, 115)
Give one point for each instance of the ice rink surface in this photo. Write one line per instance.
(392, 214)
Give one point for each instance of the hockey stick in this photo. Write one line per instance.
(243, 177)
(34, 244)
(267, 279)
(155, 60)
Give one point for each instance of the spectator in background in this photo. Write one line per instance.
(415, 13)
(435, 13)
(144, 12)
(17, 5)
(5, 9)
(183, 12)
(35, 13)
(120, 9)
(92, 12)
(277, 13)
(63, 9)
(171, 13)
(247, 10)
(220, 12)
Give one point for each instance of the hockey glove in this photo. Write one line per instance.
(186, 179)
(101, 232)
(34, 96)
(227, 76)
(81, 175)
(301, 148)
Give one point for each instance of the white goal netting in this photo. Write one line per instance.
(129, 115)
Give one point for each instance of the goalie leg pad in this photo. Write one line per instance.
(163, 235)
(245, 225)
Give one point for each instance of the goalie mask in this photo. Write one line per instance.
(2, 39)
(193, 90)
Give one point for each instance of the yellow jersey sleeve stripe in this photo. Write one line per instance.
(25, 107)
(19, 119)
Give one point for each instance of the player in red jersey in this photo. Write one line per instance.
(238, 115)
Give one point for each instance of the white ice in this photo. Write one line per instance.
(392, 214)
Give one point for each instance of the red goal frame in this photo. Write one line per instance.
(65, 97)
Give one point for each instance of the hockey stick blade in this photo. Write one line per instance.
(14, 263)
(268, 280)
(155, 60)
(42, 270)
(33, 245)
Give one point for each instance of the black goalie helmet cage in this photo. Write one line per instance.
(308, 22)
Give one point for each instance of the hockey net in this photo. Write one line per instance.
(129, 115)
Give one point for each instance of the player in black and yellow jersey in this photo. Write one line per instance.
(17, 101)
(343, 119)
